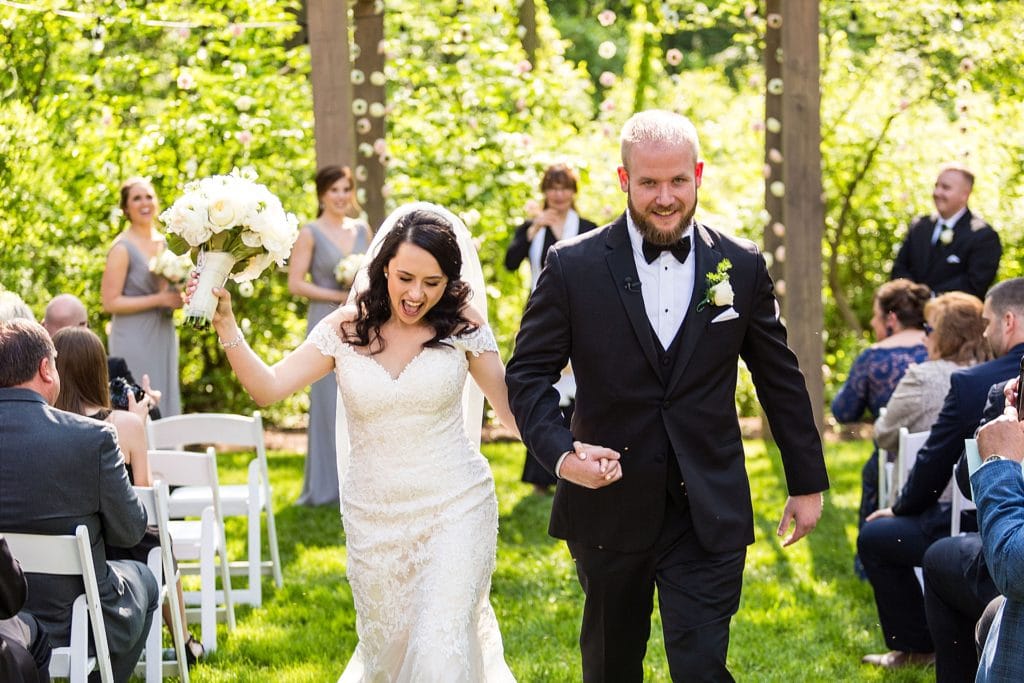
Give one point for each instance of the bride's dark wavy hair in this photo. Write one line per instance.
(431, 232)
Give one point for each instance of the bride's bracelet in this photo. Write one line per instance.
(237, 341)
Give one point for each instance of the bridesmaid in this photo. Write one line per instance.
(142, 303)
(321, 245)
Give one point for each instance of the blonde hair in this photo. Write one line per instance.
(661, 127)
(958, 328)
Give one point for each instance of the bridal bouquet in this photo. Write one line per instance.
(170, 266)
(345, 271)
(232, 226)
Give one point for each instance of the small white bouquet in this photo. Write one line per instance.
(345, 271)
(170, 266)
(231, 225)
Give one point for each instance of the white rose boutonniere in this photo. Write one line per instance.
(946, 236)
(719, 290)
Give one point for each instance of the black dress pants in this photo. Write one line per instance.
(698, 592)
(957, 588)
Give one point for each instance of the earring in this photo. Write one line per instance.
(385, 275)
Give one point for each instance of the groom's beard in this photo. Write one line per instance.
(651, 232)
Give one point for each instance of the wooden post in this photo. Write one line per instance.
(528, 20)
(803, 206)
(331, 74)
(371, 157)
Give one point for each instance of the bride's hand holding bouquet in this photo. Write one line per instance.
(231, 226)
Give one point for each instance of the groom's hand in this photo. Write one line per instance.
(804, 512)
(591, 466)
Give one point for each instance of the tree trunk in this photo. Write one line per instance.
(331, 77)
(371, 126)
(528, 20)
(803, 206)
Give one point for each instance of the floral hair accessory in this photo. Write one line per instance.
(718, 290)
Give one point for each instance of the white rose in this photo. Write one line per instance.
(722, 294)
(224, 211)
(946, 236)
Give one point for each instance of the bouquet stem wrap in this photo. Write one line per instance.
(213, 268)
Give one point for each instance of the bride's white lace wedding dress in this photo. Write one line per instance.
(421, 518)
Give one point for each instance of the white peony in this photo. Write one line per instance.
(254, 266)
(187, 217)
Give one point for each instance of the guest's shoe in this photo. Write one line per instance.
(194, 651)
(897, 659)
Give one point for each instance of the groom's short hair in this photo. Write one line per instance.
(658, 126)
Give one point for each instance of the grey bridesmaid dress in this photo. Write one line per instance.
(147, 340)
(320, 482)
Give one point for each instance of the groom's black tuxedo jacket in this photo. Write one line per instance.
(588, 308)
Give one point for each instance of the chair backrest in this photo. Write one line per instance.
(69, 556)
(187, 468)
(909, 444)
(208, 428)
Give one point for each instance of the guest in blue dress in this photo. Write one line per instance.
(329, 240)
(898, 324)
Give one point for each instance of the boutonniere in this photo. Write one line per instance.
(718, 289)
(946, 236)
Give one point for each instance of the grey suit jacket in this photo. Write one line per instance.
(59, 470)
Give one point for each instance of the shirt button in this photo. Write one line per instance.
(665, 360)
(666, 404)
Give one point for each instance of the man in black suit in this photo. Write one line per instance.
(59, 470)
(951, 250)
(894, 540)
(652, 488)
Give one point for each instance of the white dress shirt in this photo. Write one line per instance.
(666, 285)
(570, 228)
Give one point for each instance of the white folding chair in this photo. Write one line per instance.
(70, 556)
(247, 500)
(204, 541)
(161, 563)
(909, 444)
(960, 501)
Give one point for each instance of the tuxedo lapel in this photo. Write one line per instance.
(627, 284)
(696, 322)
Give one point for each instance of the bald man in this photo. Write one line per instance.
(67, 310)
(64, 310)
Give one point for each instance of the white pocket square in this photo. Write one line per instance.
(728, 314)
(952, 258)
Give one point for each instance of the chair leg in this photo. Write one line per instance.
(208, 585)
(255, 591)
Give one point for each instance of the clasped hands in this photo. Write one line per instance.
(591, 466)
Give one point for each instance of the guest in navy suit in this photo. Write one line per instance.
(999, 490)
(894, 540)
(951, 250)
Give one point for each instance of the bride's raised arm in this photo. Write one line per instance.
(267, 384)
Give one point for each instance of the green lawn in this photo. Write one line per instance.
(804, 616)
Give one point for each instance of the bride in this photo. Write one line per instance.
(421, 515)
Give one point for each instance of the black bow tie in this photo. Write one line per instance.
(680, 249)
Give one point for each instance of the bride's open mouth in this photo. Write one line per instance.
(411, 309)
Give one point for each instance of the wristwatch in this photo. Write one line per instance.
(993, 458)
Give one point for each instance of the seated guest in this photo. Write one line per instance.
(24, 646)
(62, 470)
(999, 494)
(84, 389)
(894, 540)
(898, 324)
(67, 310)
(957, 584)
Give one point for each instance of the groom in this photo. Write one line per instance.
(654, 311)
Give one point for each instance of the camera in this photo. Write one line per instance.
(119, 391)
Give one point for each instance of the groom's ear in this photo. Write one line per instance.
(623, 178)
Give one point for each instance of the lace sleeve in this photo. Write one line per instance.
(325, 338)
(476, 342)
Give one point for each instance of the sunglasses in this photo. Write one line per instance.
(928, 329)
